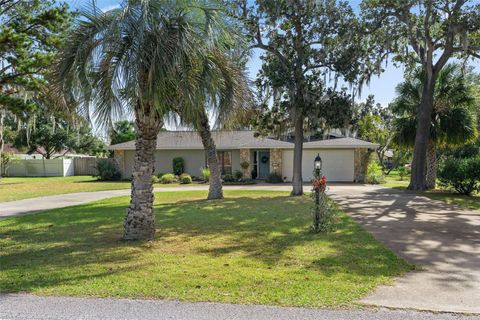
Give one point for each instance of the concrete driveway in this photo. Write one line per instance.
(442, 240)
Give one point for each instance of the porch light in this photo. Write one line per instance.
(318, 162)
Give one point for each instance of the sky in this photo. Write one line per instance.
(382, 87)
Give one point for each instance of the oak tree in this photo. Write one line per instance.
(303, 42)
(428, 33)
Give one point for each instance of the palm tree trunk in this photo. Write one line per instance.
(297, 181)
(215, 190)
(140, 220)
(431, 164)
(418, 175)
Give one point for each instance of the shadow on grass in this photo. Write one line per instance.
(47, 249)
(275, 230)
(61, 246)
(446, 195)
(471, 202)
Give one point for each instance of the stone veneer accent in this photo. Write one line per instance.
(245, 156)
(276, 161)
(119, 156)
(361, 160)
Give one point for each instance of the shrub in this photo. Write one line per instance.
(328, 214)
(274, 178)
(107, 170)
(185, 178)
(155, 179)
(178, 166)
(5, 160)
(205, 174)
(238, 174)
(167, 178)
(374, 173)
(471, 150)
(402, 172)
(228, 178)
(463, 175)
(247, 181)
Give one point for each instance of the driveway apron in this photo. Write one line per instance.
(442, 240)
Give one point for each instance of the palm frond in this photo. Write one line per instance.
(452, 121)
(456, 126)
(148, 54)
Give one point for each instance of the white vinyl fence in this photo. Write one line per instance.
(40, 168)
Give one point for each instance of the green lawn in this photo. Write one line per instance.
(393, 180)
(252, 247)
(23, 188)
(473, 202)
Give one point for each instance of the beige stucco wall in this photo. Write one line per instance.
(128, 164)
(338, 164)
(235, 160)
(194, 161)
(119, 156)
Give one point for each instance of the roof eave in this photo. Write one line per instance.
(374, 146)
(113, 148)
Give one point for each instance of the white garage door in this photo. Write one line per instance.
(338, 164)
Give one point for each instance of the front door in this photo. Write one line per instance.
(263, 164)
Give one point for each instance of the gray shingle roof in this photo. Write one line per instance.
(340, 143)
(170, 140)
(223, 139)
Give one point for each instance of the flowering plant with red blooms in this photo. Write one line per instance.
(320, 184)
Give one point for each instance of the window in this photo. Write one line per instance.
(225, 161)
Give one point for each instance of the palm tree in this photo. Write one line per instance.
(224, 93)
(452, 122)
(141, 59)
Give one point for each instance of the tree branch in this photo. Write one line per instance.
(406, 19)
(9, 77)
(453, 30)
(259, 44)
(7, 5)
(426, 21)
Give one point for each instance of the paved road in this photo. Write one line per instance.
(443, 239)
(27, 206)
(27, 307)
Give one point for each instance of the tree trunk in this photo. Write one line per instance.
(140, 220)
(215, 191)
(431, 164)
(297, 181)
(418, 175)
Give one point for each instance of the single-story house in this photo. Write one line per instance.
(343, 158)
